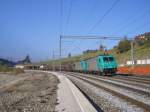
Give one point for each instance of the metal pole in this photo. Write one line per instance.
(53, 59)
(61, 31)
(60, 53)
(132, 53)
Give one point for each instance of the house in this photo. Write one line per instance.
(19, 66)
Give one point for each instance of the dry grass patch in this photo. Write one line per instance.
(6, 69)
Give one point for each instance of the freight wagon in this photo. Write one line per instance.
(101, 64)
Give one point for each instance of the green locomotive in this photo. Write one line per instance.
(103, 64)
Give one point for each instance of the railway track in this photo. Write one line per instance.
(121, 85)
(135, 79)
(138, 77)
(140, 84)
(124, 79)
(130, 93)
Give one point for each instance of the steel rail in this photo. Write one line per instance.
(146, 107)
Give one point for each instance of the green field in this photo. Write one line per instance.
(140, 52)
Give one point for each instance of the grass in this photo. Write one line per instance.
(140, 52)
(6, 69)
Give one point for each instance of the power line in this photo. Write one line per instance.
(139, 27)
(130, 17)
(61, 29)
(75, 47)
(105, 14)
(91, 37)
(69, 14)
(61, 17)
(86, 37)
(133, 21)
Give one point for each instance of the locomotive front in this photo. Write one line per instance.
(107, 64)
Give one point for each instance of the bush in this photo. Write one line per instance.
(147, 41)
(123, 46)
(5, 69)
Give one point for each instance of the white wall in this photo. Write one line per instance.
(139, 62)
(19, 66)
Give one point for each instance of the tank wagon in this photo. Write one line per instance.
(102, 64)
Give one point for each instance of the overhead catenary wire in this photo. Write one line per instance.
(64, 37)
(96, 37)
(102, 18)
(61, 29)
(61, 17)
(69, 14)
(133, 21)
(139, 27)
(76, 47)
(130, 17)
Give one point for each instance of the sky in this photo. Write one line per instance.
(33, 27)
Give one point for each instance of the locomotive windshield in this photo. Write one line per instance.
(108, 59)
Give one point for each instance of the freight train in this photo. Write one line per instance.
(101, 64)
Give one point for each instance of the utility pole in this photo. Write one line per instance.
(92, 38)
(132, 53)
(53, 59)
(60, 53)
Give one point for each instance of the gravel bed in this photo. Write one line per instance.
(133, 79)
(125, 81)
(132, 94)
(106, 101)
(138, 77)
(35, 94)
(6, 78)
(138, 84)
(121, 83)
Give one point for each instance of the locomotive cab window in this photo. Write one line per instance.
(108, 59)
(105, 59)
(111, 59)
